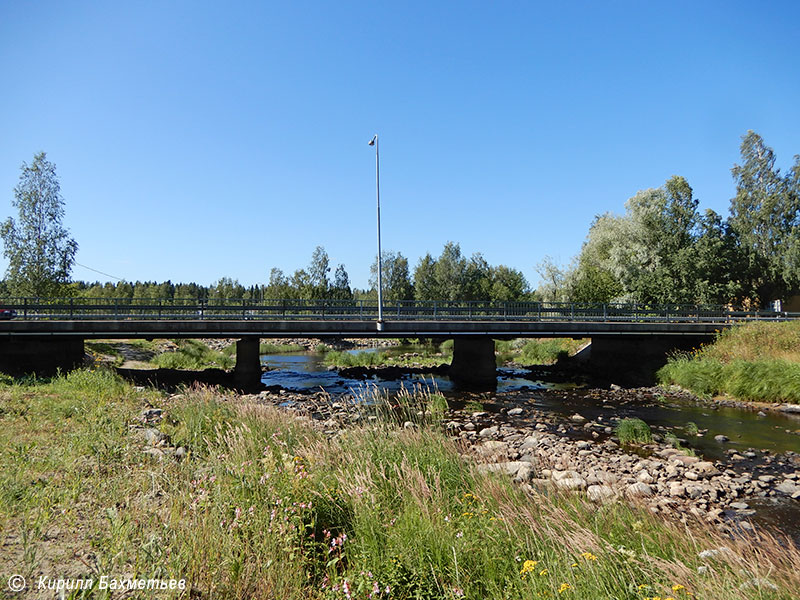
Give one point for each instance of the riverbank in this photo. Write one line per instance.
(757, 362)
(537, 448)
(303, 496)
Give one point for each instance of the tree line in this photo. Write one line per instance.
(661, 250)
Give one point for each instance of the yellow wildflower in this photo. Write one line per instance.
(564, 587)
(543, 572)
(678, 587)
(588, 556)
(528, 566)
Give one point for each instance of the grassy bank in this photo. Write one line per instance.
(756, 361)
(264, 506)
(536, 351)
(194, 354)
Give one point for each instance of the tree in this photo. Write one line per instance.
(425, 287)
(450, 273)
(765, 218)
(341, 285)
(38, 247)
(396, 280)
(318, 273)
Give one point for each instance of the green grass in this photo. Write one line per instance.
(359, 359)
(193, 354)
(756, 361)
(269, 348)
(633, 431)
(546, 351)
(266, 507)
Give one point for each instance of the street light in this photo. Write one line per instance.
(374, 142)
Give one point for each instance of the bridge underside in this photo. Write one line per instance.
(618, 348)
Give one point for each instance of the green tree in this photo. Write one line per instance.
(425, 285)
(450, 273)
(341, 285)
(396, 280)
(38, 247)
(318, 273)
(765, 218)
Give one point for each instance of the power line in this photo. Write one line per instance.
(101, 273)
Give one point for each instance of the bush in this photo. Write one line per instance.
(192, 354)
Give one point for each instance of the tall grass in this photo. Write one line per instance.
(633, 431)
(193, 354)
(547, 351)
(358, 359)
(264, 506)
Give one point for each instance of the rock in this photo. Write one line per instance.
(489, 431)
(740, 505)
(706, 468)
(677, 490)
(787, 487)
(644, 476)
(571, 483)
(469, 426)
(691, 475)
(600, 493)
(639, 490)
(154, 437)
(576, 418)
(514, 412)
(790, 408)
(721, 438)
(155, 452)
(766, 478)
(180, 453)
(492, 449)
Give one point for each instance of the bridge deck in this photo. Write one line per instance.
(230, 328)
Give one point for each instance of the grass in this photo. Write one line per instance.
(270, 348)
(546, 351)
(193, 354)
(264, 506)
(756, 361)
(633, 431)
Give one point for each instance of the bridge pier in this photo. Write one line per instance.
(247, 372)
(635, 359)
(41, 356)
(474, 364)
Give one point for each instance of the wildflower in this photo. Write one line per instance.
(543, 572)
(678, 587)
(564, 587)
(528, 566)
(588, 556)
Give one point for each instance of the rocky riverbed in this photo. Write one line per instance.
(541, 450)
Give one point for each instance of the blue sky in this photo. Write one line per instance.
(196, 140)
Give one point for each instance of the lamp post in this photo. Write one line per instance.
(374, 142)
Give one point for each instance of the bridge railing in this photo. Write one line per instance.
(252, 309)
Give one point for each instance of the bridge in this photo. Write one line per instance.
(48, 334)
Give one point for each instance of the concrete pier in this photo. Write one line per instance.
(247, 372)
(40, 355)
(474, 362)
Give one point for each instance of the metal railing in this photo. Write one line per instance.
(232, 309)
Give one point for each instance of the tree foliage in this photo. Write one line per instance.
(38, 247)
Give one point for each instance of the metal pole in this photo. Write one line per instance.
(380, 264)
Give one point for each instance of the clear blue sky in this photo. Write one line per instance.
(195, 140)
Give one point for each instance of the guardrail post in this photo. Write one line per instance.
(605, 311)
(434, 309)
(159, 309)
(71, 309)
(361, 309)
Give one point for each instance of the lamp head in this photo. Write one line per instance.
(373, 140)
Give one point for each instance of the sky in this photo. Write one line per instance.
(199, 140)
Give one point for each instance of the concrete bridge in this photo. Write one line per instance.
(46, 335)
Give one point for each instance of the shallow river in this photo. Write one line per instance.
(765, 436)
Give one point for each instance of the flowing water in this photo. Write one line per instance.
(759, 438)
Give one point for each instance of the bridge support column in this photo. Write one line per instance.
(635, 359)
(41, 356)
(474, 363)
(247, 372)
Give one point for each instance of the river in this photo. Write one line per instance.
(758, 438)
